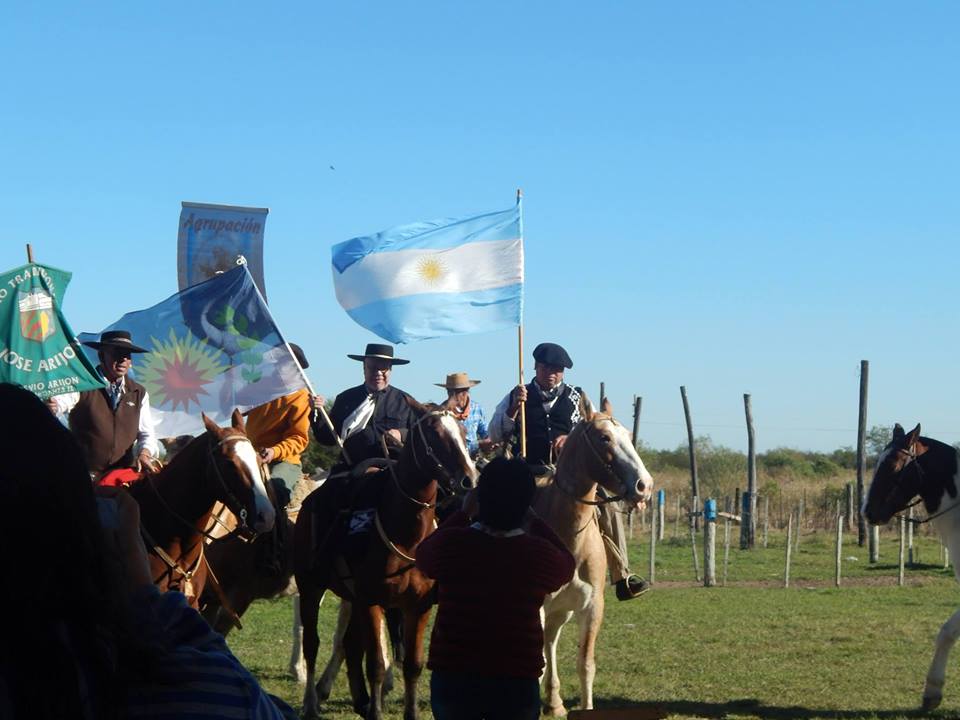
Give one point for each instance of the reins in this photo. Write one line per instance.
(605, 465)
(243, 530)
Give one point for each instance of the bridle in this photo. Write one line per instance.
(437, 467)
(607, 467)
(244, 530)
(914, 459)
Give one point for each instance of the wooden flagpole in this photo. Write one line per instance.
(523, 407)
(29, 253)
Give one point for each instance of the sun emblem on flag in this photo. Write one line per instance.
(176, 370)
(431, 270)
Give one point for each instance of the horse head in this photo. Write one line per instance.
(911, 466)
(438, 447)
(239, 480)
(603, 450)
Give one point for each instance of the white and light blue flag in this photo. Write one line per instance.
(429, 279)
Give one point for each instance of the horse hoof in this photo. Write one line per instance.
(931, 702)
(361, 709)
(555, 711)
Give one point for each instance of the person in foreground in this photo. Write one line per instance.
(85, 632)
(486, 651)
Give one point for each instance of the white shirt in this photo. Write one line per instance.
(146, 437)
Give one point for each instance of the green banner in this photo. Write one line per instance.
(38, 350)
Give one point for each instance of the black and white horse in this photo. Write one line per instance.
(914, 466)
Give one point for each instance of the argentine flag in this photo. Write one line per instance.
(429, 279)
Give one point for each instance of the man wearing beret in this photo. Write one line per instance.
(552, 410)
(113, 425)
(367, 412)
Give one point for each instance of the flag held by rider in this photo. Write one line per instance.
(434, 278)
(212, 348)
(38, 350)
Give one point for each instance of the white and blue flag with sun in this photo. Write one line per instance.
(429, 279)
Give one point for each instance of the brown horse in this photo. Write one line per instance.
(175, 503)
(599, 451)
(382, 575)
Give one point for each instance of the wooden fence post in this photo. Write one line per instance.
(903, 547)
(693, 542)
(637, 402)
(654, 524)
(874, 544)
(839, 548)
(726, 550)
(786, 562)
(861, 452)
(709, 542)
(694, 482)
(799, 524)
(910, 557)
(676, 525)
(850, 514)
(748, 520)
(661, 512)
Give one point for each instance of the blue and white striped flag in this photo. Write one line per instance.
(434, 278)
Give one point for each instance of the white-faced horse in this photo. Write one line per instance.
(599, 451)
(914, 466)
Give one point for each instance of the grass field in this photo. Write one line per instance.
(751, 649)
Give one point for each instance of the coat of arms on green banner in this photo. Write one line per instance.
(37, 347)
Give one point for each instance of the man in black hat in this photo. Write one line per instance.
(553, 408)
(113, 425)
(367, 412)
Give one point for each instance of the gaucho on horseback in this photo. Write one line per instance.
(113, 425)
(553, 408)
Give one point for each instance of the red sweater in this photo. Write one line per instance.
(490, 593)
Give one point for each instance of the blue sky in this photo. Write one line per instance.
(735, 197)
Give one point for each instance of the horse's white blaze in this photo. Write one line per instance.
(453, 429)
(629, 465)
(265, 516)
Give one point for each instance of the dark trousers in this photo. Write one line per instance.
(467, 696)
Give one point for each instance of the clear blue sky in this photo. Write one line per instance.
(736, 197)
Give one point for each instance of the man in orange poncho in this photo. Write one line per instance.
(280, 431)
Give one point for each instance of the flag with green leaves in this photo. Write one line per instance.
(38, 350)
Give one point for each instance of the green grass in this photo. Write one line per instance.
(748, 650)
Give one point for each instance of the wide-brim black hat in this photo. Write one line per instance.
(380, 352)
(118, 339)
(552, 354)
(298, 354)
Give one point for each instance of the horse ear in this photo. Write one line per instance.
(586, 407)
(606, 407)
(209, 424)
(897, 432)
(236, 419)
(914, 434)
(418, 409)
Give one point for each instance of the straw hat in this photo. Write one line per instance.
(458, 381)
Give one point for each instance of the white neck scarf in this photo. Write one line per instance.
(358, 419)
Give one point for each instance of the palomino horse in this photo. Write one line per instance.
(383, 574)
(175, 503)
(599, 451)
(914, 466)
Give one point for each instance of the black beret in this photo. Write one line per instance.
(552, 354)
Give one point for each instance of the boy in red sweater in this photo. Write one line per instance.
(486, 652)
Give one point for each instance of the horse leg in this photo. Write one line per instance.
(353, 643)
(376, 662)
(336, 651)
(414, 625)
(298, 666)
(553, 623)
(589, 622)
(933, 688)
(310, 597)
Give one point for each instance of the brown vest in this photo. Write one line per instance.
(106, 435)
